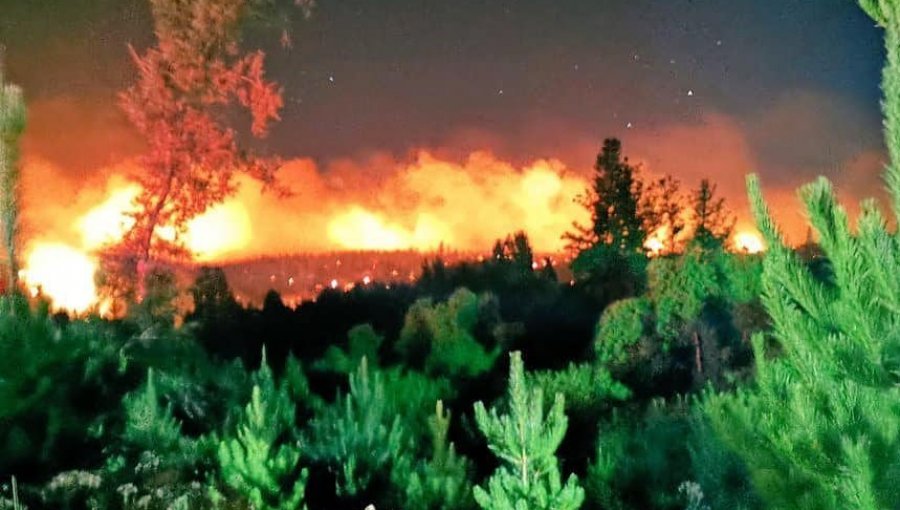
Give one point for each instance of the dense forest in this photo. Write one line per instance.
(690, 377)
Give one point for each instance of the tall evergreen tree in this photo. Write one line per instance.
(712, 220)
(821, 427)
(611, 259)
(12, 125)
(614, 202)
(261, 461)
(526, 442)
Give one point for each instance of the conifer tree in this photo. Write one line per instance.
(441, 483)
(712, 220)
(611, 257)
(357, 438)
(526, 442)
(147, 424)
(12, 125)
(262, 461)
(614, 201)
(821, 427)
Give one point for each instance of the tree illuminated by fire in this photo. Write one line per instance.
(193, 76)
(12, 125)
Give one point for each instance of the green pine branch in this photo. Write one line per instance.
(526, 440)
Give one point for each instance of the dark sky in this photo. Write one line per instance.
(788, 88)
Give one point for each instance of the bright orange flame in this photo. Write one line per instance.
(359, 229)
(748, 242)
(65, 273)
(108, 222)
(219, 231)
(654, 246)
(62, 273)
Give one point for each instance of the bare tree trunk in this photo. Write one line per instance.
(698, 351)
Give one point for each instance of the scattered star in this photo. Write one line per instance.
(500, 92)
(628, 126)
(690, 93)
(331, 78)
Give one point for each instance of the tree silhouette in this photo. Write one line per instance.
(611, 259)
(712, 220)
(663, 209)
(614, 202)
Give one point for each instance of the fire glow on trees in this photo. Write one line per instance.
(418, 204)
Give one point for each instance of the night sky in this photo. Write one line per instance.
(717, 88)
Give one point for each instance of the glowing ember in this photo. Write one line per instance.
(654, 246)
(748, 242)
(63, 274)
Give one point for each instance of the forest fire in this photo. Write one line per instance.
(747, 241)
(422, 206)
(63, 274)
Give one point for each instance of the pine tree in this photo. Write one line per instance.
(526, 442)
(441, 483)
(357, 437)
(611, 259)
(147, 424)
(712, 220)
(261, 461)
(614, 202)
(12, 125)
(821, 427)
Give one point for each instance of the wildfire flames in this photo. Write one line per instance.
(747, 241)
(382, 204)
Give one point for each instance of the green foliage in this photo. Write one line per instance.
(12, 126)
(442, 482)
(586, 388)
(155, 313)
(641, 460)
(56, 385)
(611, 273)
(526, 442)
(820, 427)
(358, 438)
(440, 337)
(681, 286)
(147, 424)
(719, 472)
(261, 461)
(621, 327)
(411, 395)
(744, 277)
(363, 342)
